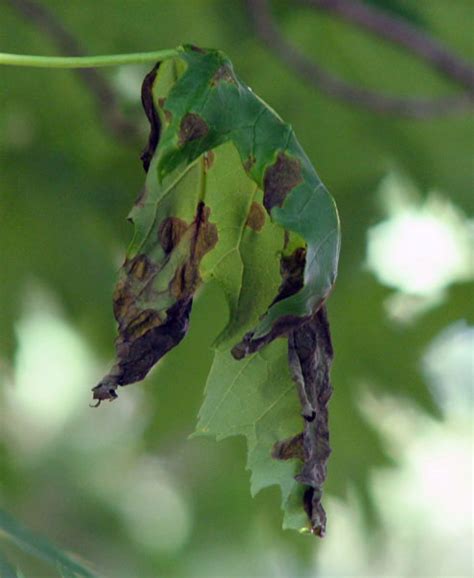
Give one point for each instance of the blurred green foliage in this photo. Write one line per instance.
(66, 187)
(40, 548)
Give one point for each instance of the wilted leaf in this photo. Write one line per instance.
(200, 104)
(230, 196)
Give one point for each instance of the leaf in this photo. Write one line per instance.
(230, 196)
(39, 547)
(198, 103)
(256, 398)
(293, 195)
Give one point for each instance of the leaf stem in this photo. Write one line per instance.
(85, 61)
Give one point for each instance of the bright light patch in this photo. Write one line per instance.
(126, 80)
(425, 504)
(53, 372)
(449, 366)
(155, 511)
(422, 247)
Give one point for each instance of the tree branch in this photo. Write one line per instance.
(401, 33)
(105, 98)
(336, 87)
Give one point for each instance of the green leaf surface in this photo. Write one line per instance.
(256, 397)
(245, 263)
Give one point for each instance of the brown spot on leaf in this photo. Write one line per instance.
(139, 267)
(142, 323)
(144, 352)
(250, 344)
(292, 273)
(195, 48)
(180, 280)
(291, 448)
(134, 321)
(206, 232)
(166, 112)
(146, 334)
(138, 356)
(249, 163)
(256, 217)
(203, 238)
(123, 298)
(170, 232)
(193, 127)
(280, 178)
(223, 74)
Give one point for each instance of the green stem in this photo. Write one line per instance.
(85, 61)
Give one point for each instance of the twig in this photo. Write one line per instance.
(76, 62)
(104, 95)
(401, 33)
(336, 87)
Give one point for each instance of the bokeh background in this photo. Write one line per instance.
(122, 486)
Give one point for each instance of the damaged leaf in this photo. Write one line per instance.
(310, 356)
(256, 398)
(230, 196)
(209, 106)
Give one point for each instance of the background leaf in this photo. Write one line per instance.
(227, 183)
(39, 547)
